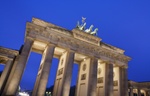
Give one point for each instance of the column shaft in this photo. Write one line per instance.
(108, 80)
(93, 77)
(68, 72)
(124, 82)
(147, 93)
(131, 91)
(42, 77)
(15, 80)
(5, 74)
(139, 92)
(117, 81)
(11, 74)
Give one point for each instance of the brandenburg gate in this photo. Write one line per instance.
(102, 67)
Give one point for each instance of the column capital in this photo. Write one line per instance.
(70, 50)
(50, 44)
(124, 66)
(121, 66)
(29, 38)
(94, 58)
(105, 61)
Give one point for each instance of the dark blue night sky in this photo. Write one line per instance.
(121, 23)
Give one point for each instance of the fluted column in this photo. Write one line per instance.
(15, 80)
(148, 93)
(108, 80)
(11, 74)
(124, 80)
(5, 74)
(43, 73)
(92, 77)
(144, 92)
(118, 82)
(64, 74)
(68, 69)
(131, 91)
(139, 92)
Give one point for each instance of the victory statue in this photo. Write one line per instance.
(89, 30)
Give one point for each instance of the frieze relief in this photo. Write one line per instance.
(60, 71)
(86, 37)
(69, 41)
(100, 80)
(84, 67)
(99, 71)
(83, 76)
(115, 83)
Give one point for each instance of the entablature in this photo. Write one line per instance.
(139, 85)
(64, 38)
(8, 52)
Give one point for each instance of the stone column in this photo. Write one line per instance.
(144, 92)
(43, 73)
(139, 92)
(148, 93)
(5, 74)
(131, 91)
(15, 80)
(108, 80)
(87, 78)
(64, 74)
(93, 77)
(117, 77)
(105, 79)
(124, 80)
(11, 74)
